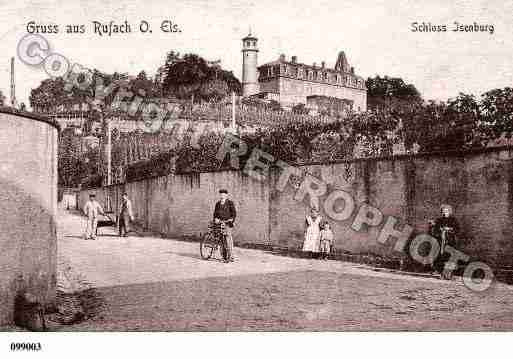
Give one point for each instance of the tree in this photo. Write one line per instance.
(158, 80)
(191, 76)
(214, 90)
(463, 117)
(69, 158)
(388, 92)
(2, 99)
(497, 113)
(143, 86)
(48, 95)
(442, 126)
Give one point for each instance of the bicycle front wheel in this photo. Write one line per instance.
(207, 246)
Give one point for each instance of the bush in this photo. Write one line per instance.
(159, 165)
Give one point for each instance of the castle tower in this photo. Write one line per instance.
(249, 66)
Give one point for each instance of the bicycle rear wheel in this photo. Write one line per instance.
(207, 246)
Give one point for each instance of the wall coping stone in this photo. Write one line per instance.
(30, 115)
(401, 157)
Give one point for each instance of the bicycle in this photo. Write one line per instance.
(447, 268)
(213, 240)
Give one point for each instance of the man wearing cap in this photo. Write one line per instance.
(92, 210)
(125, 215)
(225, 212)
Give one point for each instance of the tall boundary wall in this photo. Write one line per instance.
(28, 192)
(478, 184)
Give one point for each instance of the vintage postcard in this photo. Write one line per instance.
(255, 166)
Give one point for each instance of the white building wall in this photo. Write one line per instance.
(294, 91)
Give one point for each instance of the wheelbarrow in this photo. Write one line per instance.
(108, 220)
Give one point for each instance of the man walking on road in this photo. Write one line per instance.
(225, 212)
(92, 210)
(125, 215)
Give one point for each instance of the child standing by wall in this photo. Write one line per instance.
(326, 239)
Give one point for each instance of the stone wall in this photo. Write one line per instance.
(183, 205)
(28, 192)
(479, 185)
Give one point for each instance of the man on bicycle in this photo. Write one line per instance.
(445, 229)
(225, 212)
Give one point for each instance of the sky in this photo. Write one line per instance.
(376, 36)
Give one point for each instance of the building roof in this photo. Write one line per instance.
(249, 37)
(342, 64)
(311, 67)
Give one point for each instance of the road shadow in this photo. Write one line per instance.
(76, 237)
(308, 300)
(214, 258)
(108, 235)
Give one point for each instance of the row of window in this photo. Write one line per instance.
(311, 75)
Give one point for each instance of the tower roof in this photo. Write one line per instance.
(249, 36)
(342, 64)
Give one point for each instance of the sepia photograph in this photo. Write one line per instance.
(239, 170)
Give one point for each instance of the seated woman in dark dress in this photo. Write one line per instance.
(445, 229)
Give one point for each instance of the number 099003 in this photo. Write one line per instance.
(26, 346)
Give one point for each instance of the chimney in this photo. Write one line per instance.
(323, 64)
(282, 57)
(294, 59)
(314, 64)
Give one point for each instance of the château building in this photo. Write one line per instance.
(290, 82)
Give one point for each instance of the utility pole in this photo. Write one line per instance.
(109, 154)
(13, 85)
(234, 123)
